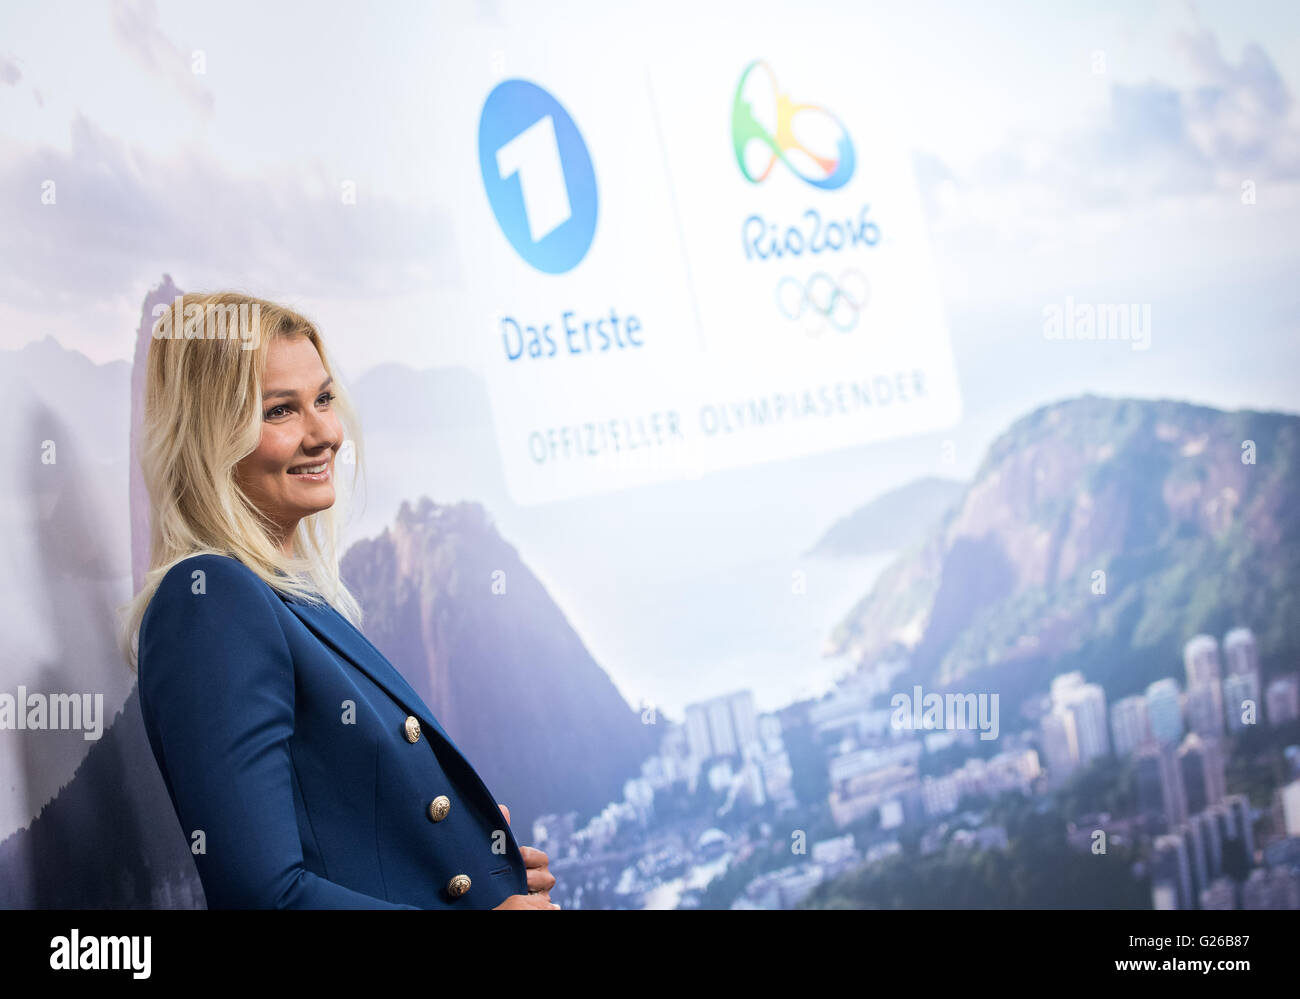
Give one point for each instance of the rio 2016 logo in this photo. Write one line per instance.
(538, 176)
(762, 126)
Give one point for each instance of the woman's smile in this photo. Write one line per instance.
(318, 471)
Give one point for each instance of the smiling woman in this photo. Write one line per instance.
(291, 476)
(303, 768)
(223, 426)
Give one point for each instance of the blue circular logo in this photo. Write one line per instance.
(538, 176)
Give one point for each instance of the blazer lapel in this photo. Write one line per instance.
(336, 632)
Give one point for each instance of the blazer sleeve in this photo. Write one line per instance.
(217, 695)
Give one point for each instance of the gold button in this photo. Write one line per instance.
(458, 885)
(412, 728)
(439, 807)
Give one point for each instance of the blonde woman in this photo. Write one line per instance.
(304, 769)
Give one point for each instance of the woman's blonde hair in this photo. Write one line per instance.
(202, 415)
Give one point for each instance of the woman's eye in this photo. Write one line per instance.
(273, 411)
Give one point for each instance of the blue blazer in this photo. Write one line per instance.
(315, 774)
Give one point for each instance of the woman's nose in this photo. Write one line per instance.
(322, 430)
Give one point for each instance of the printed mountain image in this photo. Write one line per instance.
(1098, 534)
(449, 602)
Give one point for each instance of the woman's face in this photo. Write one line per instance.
(299, 431)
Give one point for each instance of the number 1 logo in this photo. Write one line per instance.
(538, 176)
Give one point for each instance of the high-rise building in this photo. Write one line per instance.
(1283, 699)
(1239, 807)
(1216, 771)
(1130, 726)
(1060, 745)
(1211, 842)
(1150, 791)
(744, 722)
(1191, 761)
(1241, 652)
(1201, 661)
(1205, 710)
(1089, 706)
(1086, 736)
(1193, 837)
(1235, 821)
(722, 733)
(697, 733)
(1160, 784)
(1171, 869)
(1202, 765)
(723, 726)
(1241, 700)
(1063, 687)
(1204, 685)
(1164, 712)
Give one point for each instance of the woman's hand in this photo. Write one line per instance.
(527, 902)
(540, 878)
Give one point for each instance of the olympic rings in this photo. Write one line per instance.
(824, 300)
